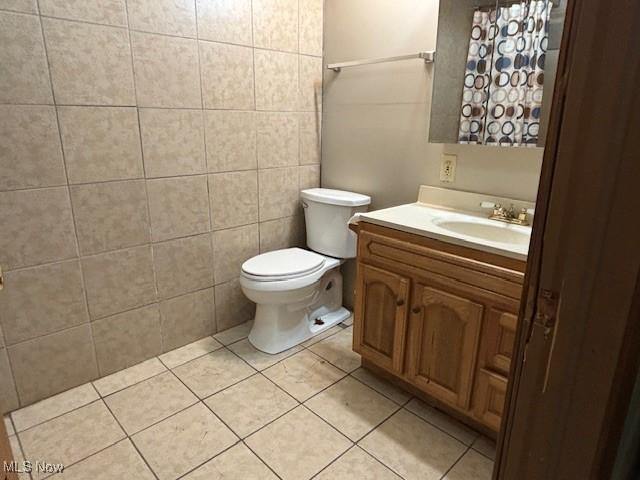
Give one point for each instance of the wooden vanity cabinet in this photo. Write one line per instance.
(439, 318)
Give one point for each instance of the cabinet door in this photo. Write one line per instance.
(489, 398)
(380, 316)
(498, 340)
(443, 344)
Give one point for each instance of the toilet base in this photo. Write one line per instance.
(293, 327)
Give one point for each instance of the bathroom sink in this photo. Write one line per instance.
(502, 233)
(465, 228)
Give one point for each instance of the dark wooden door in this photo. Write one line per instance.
(576, 356)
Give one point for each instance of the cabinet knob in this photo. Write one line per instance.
(416, 309)
(400, 302)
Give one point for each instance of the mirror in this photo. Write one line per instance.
(495, 70)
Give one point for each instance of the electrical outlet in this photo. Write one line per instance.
(448, 168)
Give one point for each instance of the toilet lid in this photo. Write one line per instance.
(286, 263)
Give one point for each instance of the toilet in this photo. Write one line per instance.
(298, 292)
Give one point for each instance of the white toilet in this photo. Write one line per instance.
(298, 293)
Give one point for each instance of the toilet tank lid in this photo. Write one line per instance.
(335, 197)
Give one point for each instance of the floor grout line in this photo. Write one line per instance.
(455, 463)
(191, 470)
(58, 416)
(436, 426)
(19, 440)
(380, 461)
(131, 440)
(101, 449)
(478, 451)
(378, 391)
(261, 459)
(354, 444)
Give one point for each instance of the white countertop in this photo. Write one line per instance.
(458, 227)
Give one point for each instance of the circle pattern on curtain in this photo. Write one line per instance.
(504, 75)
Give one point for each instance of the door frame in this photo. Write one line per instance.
(579, 327)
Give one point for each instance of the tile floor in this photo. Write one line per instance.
(218, 408)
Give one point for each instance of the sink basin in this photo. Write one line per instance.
(501, 233)
(465, 228)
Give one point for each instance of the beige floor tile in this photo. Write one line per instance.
(73, 436)
(303, 375)
(485, 446)
(187, 353)
(18, 456)
(352, 407)
(381, 386)
(473, 466)
(413, 448)
(443, 421)
(180, 443)
(127, 377)
(54, 406)
(260, 402)
(148, 402)
(357, 464)
(338, 350)
(298, 445)
(236, 463)
(321, 336)
(257, 359)
(8, 425)
(349, 321)
(213, 372)
(118, 461)
(232, 335)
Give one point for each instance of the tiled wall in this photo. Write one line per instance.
(147, 148)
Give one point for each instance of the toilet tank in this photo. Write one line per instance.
(327, 213)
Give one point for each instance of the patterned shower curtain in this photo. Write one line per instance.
(504, 77)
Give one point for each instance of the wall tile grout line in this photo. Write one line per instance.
(92, 368)
(157, 107)
(255, 107)
(73, 218)
(162, 34)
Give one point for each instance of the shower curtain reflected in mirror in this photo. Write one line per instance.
(504, 77)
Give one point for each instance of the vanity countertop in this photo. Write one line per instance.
(457, 225)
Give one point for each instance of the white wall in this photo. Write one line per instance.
(376, 118)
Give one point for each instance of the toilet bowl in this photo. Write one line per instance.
(298, 292)
(291, 307)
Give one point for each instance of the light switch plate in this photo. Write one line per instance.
(448, 168)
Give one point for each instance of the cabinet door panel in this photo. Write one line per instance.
(380, 316)
(443, 344)
(489, 398)
(498, 340)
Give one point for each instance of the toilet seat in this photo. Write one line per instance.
(285, 264)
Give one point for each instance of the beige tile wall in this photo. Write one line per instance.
(148, 148)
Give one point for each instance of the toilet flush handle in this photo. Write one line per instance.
(304, 204)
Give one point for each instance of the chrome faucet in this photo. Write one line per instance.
(507, 215)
